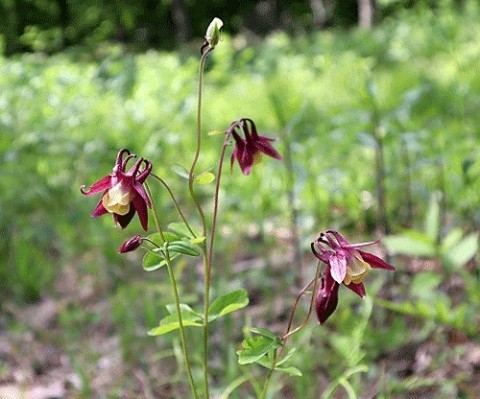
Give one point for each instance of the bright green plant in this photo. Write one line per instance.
(453, 250)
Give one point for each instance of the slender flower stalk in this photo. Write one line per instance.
(251, 147)
(191, 178)
(191, 174)
(215, 203)
(177, 205)
(289, 332)
(176, 296)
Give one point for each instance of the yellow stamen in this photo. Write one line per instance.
(257, 158)
(357, 269)
(117, 200)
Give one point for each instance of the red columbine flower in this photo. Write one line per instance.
(345, 265)
(123, 192)
(248, 150)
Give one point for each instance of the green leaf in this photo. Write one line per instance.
(183, 247)
(153, 261)
(287, 356)
(264, 332)
(424, 309)
(290, 370)
(443, 309)
(180, 171)
(172, 326)
(254, 348)
(408, 244)
(266, 361)
(461, 253)
(197, 240)
(169, 236)
(451, 240)
(205, 178)
(424, 285)
(227, 303)
(459, 317)
(182, 230)
(215, 132)
(401, 307)
(190, 318)
(186, 311)
(432, 219)
(155, 237)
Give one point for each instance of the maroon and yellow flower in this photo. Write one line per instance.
(249, 148)
(123, 192)
(346, 264)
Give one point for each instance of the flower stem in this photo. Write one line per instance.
(191, 174)
(207, 259)
(191, 178)
(177, 205)
(173, 281)
(215, 203)
(289, 333)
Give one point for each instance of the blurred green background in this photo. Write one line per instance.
(381, 135)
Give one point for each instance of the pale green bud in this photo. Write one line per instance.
(213, 32)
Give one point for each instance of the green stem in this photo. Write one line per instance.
(173, 281)
(215, 204)
(207, 260)
(269, 375)
(177, 205)
(206, 305)
(289, 333)
(191, 174)
(191, 178)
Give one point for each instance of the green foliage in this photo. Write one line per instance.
(227, 303)
(190, 318)
(454, 250)
(178, 241)
(262, 349)
(219, 307)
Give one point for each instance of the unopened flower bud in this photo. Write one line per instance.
(131, 244)
(213, 32)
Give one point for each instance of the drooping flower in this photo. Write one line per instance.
(123, 192)
(345, 264)
(131, 244)
(249, 148)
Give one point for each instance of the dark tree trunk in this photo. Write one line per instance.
(321, 11)
(181, 21)
(366, 10)
(9, 27)
(64, 17)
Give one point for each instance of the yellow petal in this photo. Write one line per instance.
(357, 269)
(257, 158)
(117, 200)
